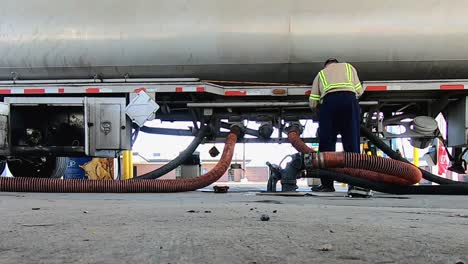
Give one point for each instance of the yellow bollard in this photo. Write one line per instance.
(127, 170)
(416, 158)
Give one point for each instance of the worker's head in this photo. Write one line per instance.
(330, 61)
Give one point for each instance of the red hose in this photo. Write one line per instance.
(135, 186)
(371, 168)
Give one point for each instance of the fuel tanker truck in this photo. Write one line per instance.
(81, 78)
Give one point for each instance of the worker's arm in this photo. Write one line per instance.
(314, 97)
(357, 83)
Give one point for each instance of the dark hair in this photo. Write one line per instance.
(331, 60)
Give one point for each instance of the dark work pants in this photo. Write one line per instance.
(339, 114)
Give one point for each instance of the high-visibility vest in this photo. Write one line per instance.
(349, 73)
(329, 86)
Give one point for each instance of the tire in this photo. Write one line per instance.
(38, 167)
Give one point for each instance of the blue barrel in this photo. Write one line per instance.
(73, 170)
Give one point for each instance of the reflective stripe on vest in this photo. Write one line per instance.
(323, 79)
(350, 77)
(314, 97)
(357, 86)
(349, 74)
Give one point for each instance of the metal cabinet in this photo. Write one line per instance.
(107, 126)
(65, 126)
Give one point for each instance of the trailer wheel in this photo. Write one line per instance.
(38, 167)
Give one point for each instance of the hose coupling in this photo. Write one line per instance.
(238, 129)
(313, 161)
(295, 127)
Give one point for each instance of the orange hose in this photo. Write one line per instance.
(134, 186)
(371, 168)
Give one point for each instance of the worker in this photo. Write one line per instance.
(334, 96)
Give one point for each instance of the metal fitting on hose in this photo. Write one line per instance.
(308, 159)
(369, 167)
(265, 130)
(238, 129)
(295, 127)
(313, 161)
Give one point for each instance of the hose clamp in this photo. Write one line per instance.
(309, 161)
(321, 160)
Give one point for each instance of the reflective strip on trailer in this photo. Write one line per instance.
(235, 93)
(415, 86)
(452, 87)
(211, 88)
(190, 89)
(376, 88)
(257, 91)
(93, 90)
(34, 91)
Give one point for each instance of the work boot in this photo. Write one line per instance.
(358, 192)
(322, 188)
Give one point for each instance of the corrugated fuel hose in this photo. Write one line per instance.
(135, 186)
(392, 154)
(446, 189)
(385, 177)
(371, 168)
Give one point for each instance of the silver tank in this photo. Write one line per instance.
(254, 40)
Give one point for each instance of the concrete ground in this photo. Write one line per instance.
(203, 227)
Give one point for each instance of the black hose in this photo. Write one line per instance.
(166, 131)
(394, 155)
(135, 135)
(184, 155)
(446, 189)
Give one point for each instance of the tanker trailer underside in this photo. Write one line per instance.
(91, 118)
